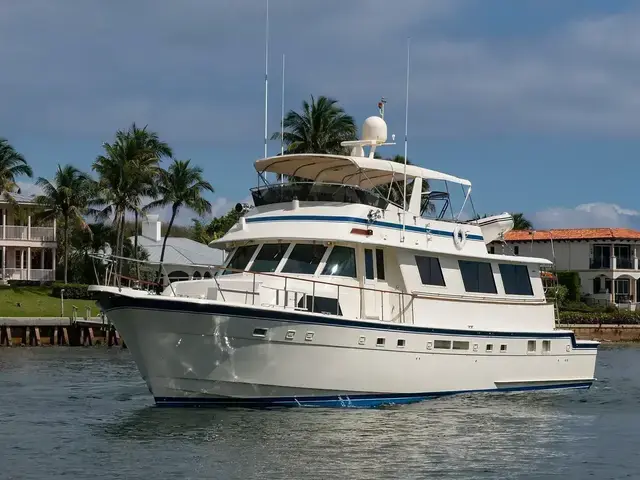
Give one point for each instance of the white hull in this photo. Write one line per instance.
(206, 358)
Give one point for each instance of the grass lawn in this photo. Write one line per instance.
(38, 302)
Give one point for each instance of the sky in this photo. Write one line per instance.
(536, 102)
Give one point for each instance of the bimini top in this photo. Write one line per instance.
(363, 172)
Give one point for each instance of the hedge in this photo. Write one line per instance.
(72, 290)
(29, 283)
(571, 280)
(623, 317)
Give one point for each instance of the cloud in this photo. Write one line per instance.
(588, 215)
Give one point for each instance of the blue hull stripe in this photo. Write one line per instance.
(357, 401)
(363, 221)
(111, 302)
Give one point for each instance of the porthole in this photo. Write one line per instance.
(259, 332)
(429, 345)
(308, 337)
(489, 348)
(380, 342)
(290, 334)
(503, 348)
(400, 343)
(362, 340)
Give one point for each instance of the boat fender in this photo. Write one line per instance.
(459, 237)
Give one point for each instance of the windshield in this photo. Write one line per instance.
(315, 192)
(304, 258)
(269, 257)
(240, 258)
(341, 262)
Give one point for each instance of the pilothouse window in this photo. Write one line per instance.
(477, 277)
(430, 271)
(516, 279)
(269, 257)
(341, 262)
(304, 258)
(241, 258)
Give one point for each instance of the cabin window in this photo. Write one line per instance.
(460, 345)
(341, 262)
(546, 346)
(503, 348)
(320, 304)
(304, 258)
(368, 264)
(430, 271)
(489, 347)
(400, 343)
(269, 257)
(531, 346)
(380, 342)
(380, 264)
(477, 277)
(240, 258)
(445, 344)
(515, 279)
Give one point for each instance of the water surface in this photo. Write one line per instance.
(85, 413)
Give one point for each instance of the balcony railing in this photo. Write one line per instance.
(610, 263)
(36, 274)
(19, 232)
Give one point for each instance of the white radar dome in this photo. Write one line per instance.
(374, 128)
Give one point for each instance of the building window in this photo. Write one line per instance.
(516, 250)
(515, 279)
(341, 262)
(596, 285)
(430, 271)
(477, 277)
(380, 264)
(368, 264)
(269, 257)
(304, 258)
(492, 249)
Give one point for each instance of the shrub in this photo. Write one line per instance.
(28, 283)
(571, 280)
(72, 290)
(623, 317)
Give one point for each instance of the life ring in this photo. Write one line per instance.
(459, 237)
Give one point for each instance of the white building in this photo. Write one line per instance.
(605, 258)
(28, 250)
(184, 259)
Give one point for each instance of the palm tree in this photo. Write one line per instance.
(12, 165)
(66, 197)
(520, 222)
(319, 128)
(117, 191)
(180, 186)
(150, 150)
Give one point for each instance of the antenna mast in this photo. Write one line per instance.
(406, 141)
(266, 80)
(282, 115)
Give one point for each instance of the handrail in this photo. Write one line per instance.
(400, 316)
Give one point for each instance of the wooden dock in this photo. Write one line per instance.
(54, 331)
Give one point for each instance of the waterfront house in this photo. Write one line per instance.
(28, 249)
(184, 259)
(605, 258)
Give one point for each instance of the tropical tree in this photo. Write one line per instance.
(319, 128)
(12, 165)
(182, 185)
(149, 152)
(205, 233)
(520, 222)
(66, 197)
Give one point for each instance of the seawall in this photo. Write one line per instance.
(605, 333)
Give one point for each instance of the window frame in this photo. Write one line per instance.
(516, 267)
(478, 263)
(430, 258)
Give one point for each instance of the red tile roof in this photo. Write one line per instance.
(573, 234)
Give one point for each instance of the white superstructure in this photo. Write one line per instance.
(338, 291)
